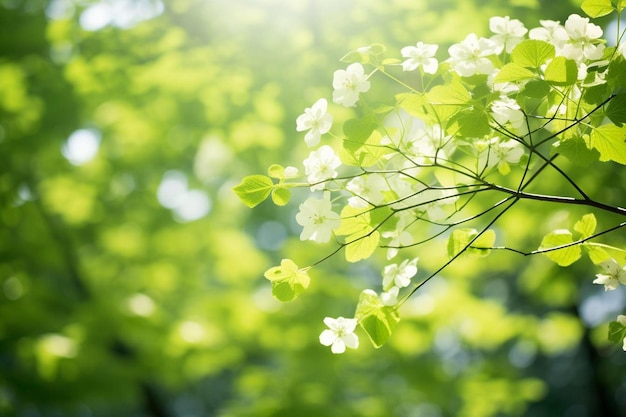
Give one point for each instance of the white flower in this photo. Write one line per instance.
(320, 166)
(340, 333)
(615, 274)
(550, 31)
(583, 39)
(470, 56)
(390, 297)
(420, 55)
(348, 84)
(316, 120)
(498, 152)
(506, 110)
(399, 275)
(508, 152)
(508, 33)
(367, 189)
(317, 219)
(622, 320)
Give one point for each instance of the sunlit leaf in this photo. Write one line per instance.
(512, 72)
(619, 4)
(586, 226)
(597, 8)
(375, 318)
(564, 256)
(610, 141)
(254, 189)
(532, 53)
(276, 171)
(354, 221)
(361, 237)
(357, 131)
(414, 104)
(361, 246)
(287, 280)
(449, 94)
(596, 252)
(473, 123)
(281, 196)
(460, 239)
(561, 71)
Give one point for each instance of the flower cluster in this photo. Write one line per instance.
(471, 122)
(393, 155)
(340, 332)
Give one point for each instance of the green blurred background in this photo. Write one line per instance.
(131, 276)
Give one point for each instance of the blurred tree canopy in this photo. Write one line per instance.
(131, 276)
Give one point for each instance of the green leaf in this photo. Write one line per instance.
(597, 93)
(367, 154)
(414, 104)
(619, 4)
(375, 318)
(596, 252)
(460, 240)
(512, 72)
(486, 240)
(287, 280)
(361, 246)
(532, 53)
(561, 71)
(281, 196)
(473, 123)
(617, 332)
(354, 221)
(586, 226)
(615, 75)
(361, 238)
(616, 109)
(609, 140)
(449, 94)
(357, 131)
(597, 8)
(254, 189)
(276, 171)
(576, 150)
(536, 89)
(565, 256)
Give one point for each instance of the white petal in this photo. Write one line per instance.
(328, 337)
(350, 340)
(312, 138)
(338, 347)
(331, 323)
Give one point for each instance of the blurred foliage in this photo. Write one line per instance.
(117, 298)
